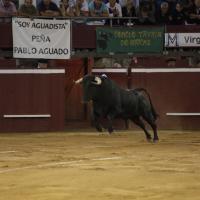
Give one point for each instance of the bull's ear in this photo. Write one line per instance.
(97, 81)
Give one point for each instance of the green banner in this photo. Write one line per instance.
(130, 40)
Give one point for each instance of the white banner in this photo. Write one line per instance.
(182, 39)
(41, 38)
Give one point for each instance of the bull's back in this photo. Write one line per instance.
(130, 102)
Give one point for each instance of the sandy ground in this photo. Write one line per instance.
(88, 166)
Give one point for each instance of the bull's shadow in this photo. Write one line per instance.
(111, 102)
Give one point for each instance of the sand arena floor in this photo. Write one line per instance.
(88, 166)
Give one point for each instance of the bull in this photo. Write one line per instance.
(110, 102)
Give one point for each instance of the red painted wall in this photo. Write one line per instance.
(32, 94)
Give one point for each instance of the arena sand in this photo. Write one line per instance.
(84, 165)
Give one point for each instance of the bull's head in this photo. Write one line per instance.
(90, 84)
(96, 81)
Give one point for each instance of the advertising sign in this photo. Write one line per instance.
(41, 38)
(126, 40)
(182, 39)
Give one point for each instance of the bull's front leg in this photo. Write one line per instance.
(112, 115)
(110, 125)
(96, 123)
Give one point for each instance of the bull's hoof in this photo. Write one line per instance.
(110, 130)
(149, 140)
(155, 140)
(99, 129)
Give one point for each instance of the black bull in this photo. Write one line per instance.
(110, 101)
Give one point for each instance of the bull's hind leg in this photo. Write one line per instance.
(150, 119)
(140, 123)
(98, 127)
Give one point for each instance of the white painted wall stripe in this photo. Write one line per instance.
(183, 114)
(110, 70)
(145, 70)
(164, 70)
(32, 71)
(28, 116)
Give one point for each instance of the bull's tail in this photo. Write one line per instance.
(152, 107)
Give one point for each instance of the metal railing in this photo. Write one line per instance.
(111, 21)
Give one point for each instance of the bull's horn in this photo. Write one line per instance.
(78, 81)
(97, 81)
